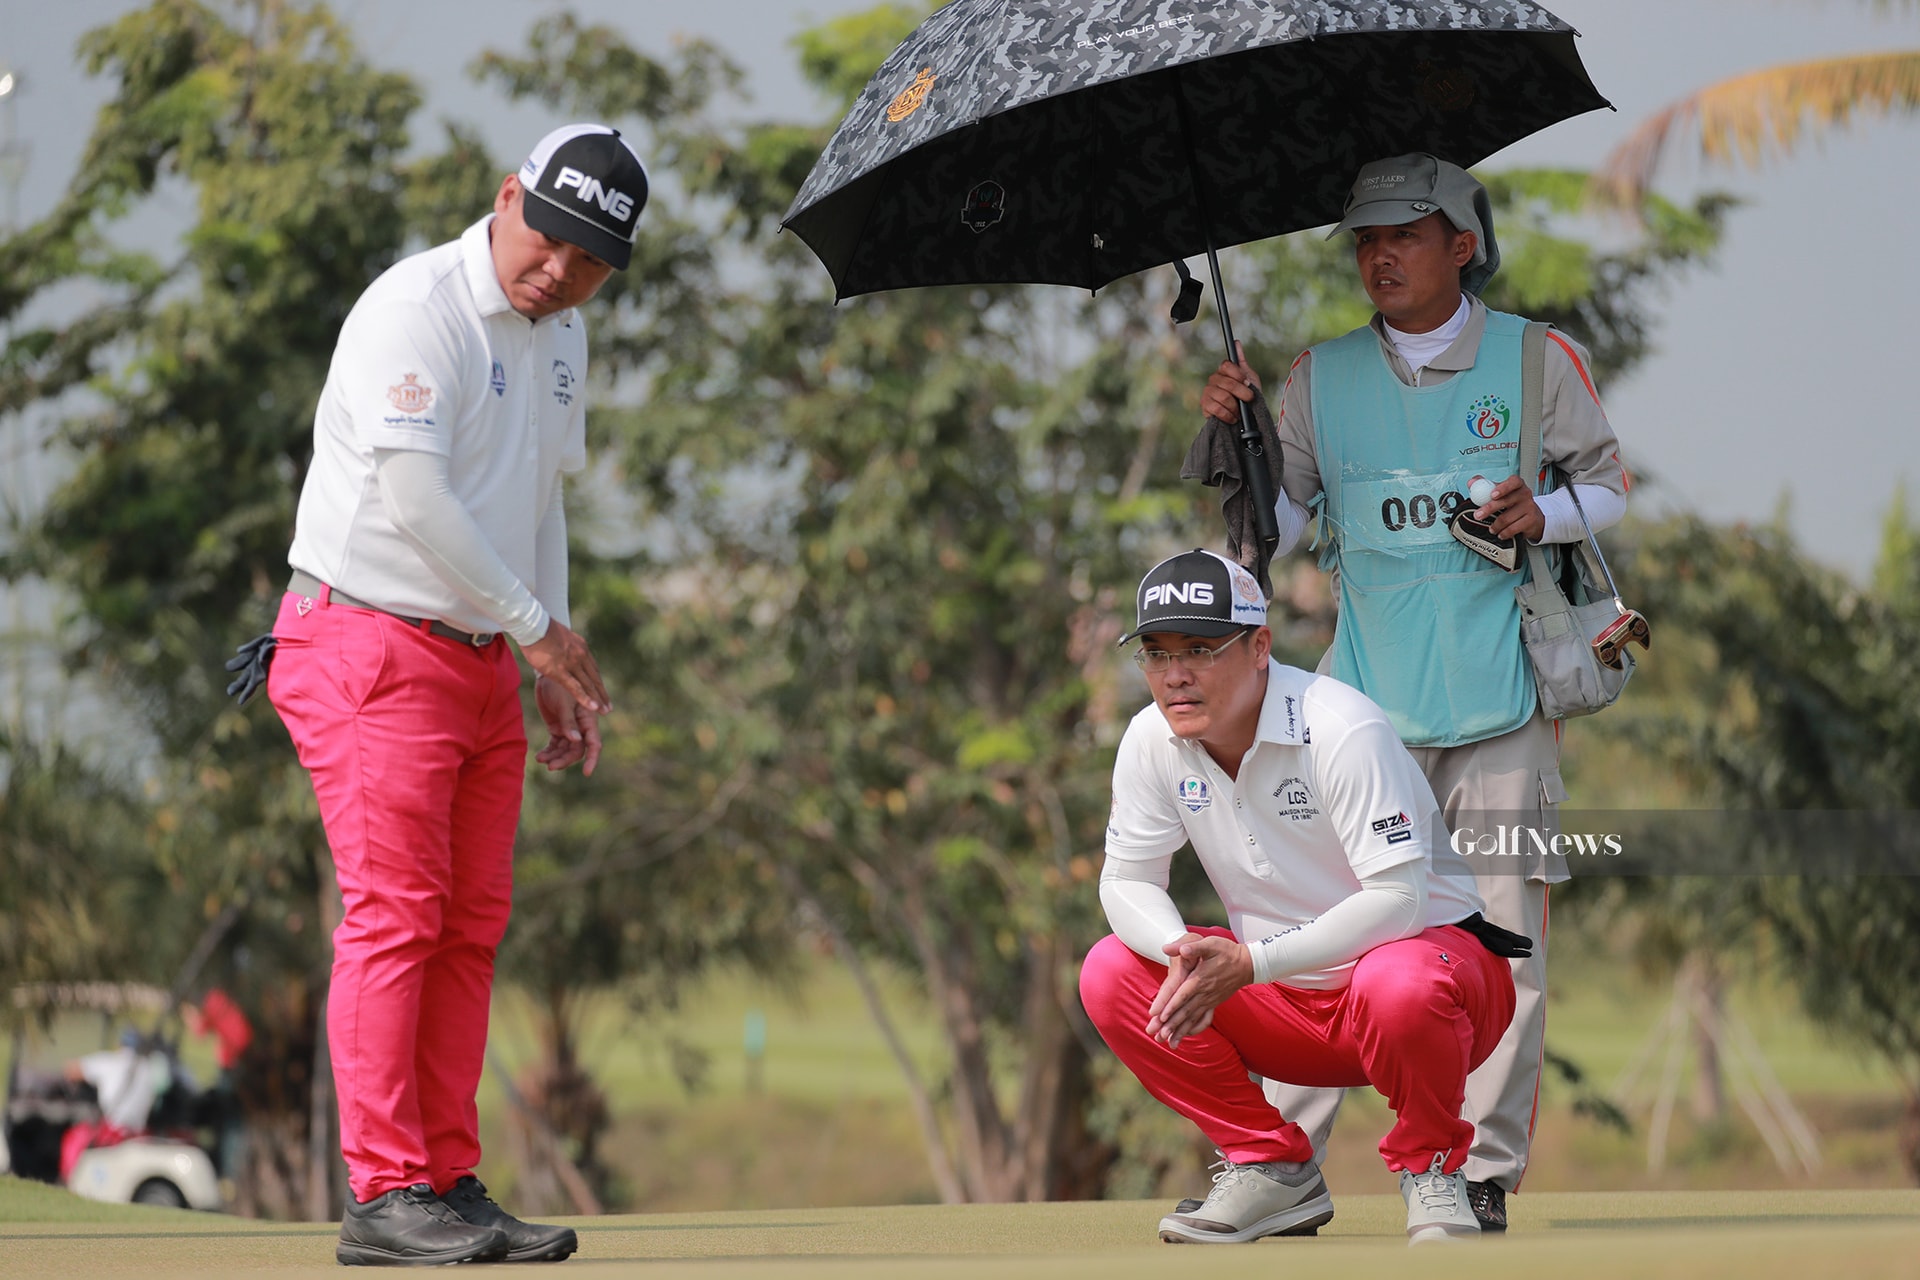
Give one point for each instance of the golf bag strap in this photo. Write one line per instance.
(1533, 395)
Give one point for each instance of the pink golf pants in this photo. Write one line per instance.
(1420, 1013)
(417, 747)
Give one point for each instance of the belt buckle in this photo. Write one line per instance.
(481, 639)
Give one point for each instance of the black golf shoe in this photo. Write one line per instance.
(410, 1227)
(526, 1241)
(1488, 1200)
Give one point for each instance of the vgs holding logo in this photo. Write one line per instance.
(1194, 794)
(593, 191)
(1488, 416)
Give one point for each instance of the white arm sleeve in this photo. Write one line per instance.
(418, 492)
(1603, 506)
(1140, 912)
(550, 560)
(1388, 907)
(1292, 519)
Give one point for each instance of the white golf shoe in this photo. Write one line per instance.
(1276, 1198)
(1437, 1206)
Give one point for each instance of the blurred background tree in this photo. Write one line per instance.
(853, 572)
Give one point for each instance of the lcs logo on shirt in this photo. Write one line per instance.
(1398, 829)
(563, 382)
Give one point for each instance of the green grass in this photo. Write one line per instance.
(1751, 1236)
(832, 1126)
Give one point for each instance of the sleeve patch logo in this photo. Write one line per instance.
(1193, 793)
(410, 396)
(1398, 822)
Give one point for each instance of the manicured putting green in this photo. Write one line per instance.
(1751, 1235)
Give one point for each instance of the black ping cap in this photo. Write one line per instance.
(1198, 593)
(585, 185)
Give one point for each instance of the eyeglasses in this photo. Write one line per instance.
(1196, 658)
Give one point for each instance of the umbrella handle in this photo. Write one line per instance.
(1253, 450)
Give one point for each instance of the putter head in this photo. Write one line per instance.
(1477, 536)
(1629, 628)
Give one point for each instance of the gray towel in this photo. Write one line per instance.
(1214, 458)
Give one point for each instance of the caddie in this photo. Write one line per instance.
(1349, 958)
(431, 531)
(1383, 432)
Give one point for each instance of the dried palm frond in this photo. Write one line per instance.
(1753, 117)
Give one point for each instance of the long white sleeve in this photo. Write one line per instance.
(417, 490)
(1388, 907)
(1141, 913)
(1291, 518)
(550, 560)
(1603, 506)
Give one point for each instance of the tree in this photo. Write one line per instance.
(1751, 117)
(853, 572)
(952, 492)
(1791, 672)
(169, 538)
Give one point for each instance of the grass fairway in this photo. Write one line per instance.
(1566, 1236)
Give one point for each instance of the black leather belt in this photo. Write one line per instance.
(306, 584)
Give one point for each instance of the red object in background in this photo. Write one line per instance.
(221, 1017)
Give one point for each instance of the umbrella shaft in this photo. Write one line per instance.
(1253, 452)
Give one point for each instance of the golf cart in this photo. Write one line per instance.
(65, 1108)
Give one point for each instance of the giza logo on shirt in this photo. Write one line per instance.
(1194, 794)
(410, 396)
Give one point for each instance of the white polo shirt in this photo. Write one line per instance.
(434, 358)
(1327, 794)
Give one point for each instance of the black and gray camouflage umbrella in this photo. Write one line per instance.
(1062, 142)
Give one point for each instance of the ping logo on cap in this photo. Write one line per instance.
(1178, 593)
(593, 191)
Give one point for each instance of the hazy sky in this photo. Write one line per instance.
(1777, 369)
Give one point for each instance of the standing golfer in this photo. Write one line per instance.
(430, 529)
(1388, 427)
(1350, 960)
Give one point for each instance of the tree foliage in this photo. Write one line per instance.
(853, 572)
(1760, 115)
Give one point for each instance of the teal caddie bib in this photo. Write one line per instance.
(1427, 629)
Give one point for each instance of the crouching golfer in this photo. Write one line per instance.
(1350, 960)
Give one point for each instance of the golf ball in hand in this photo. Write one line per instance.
(1481, 491)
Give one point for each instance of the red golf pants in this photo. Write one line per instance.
(417, 747)
(1420, 1013)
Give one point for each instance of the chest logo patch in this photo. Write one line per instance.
(1296, 800)
(563, 382)
(498, 380)
(1488, 416)
(410, 396)
(1194, 793)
